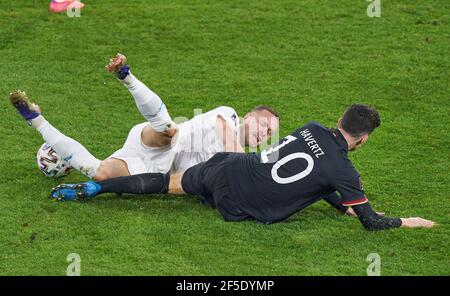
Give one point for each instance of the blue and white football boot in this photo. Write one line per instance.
(75, 192)
(27, 109)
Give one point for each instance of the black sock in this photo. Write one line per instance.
(137, 184)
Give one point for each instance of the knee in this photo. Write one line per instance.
(103, 173)
(152, 138)
(111, 168)
(100, 176)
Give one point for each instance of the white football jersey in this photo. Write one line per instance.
(198, 139)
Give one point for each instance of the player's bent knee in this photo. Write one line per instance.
(152, 138)
(102, 174)
(111, 168)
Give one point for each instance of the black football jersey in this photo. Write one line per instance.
(298, 171)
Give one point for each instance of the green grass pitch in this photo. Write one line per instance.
(309, 59)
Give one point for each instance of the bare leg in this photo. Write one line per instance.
(152, 138)
(147, 183)
(149, 104)
(111, 168)
(175, 184)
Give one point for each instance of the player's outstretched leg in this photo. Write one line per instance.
(148, 103)
(67, 148)
(137, 184)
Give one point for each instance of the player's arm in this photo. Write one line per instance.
(335, 201)
(228, 135)
(372, 221)
(349, 186)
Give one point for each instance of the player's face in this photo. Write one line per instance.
(259, 127)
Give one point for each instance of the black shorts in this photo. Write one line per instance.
(208, 180)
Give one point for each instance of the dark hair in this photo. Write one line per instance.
(266, 108)
(360, 119)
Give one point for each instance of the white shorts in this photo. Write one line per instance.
(142, 159)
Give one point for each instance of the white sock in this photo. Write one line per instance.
(149, 104)
(67, 148)
(38, 121)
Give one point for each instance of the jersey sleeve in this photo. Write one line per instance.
(229, 114)
(348, 184)
(211, 142)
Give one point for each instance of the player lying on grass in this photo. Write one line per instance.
(309, 165)
(159, 145)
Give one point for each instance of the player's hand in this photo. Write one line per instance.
(417, 222)
(352, 213)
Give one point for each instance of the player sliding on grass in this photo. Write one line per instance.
(158, 145)
(309, 165)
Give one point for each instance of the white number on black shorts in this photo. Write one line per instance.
(296, 177)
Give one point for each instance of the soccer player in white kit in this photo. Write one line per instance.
(158, 145)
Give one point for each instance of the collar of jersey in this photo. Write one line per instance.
(339, 138)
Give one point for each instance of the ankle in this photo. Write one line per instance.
(38, 122)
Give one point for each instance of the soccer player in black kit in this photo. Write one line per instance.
(309, 165)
